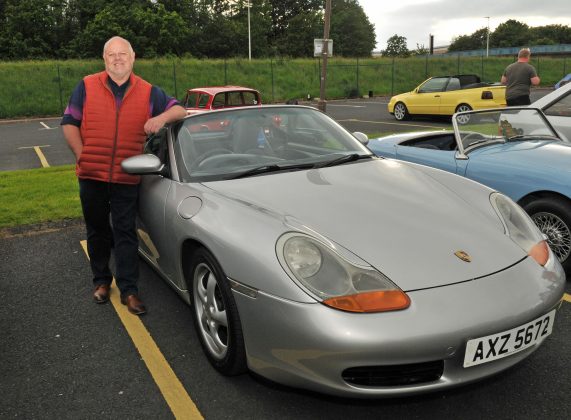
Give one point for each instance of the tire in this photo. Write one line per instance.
(215, 315)
(553, 217)
(465, 119)
(401, 112)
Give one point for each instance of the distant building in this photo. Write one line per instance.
(443, 49)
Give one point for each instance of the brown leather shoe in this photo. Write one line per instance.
(134, 304)
(101, 293)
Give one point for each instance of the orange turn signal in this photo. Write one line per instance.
(377, 301)
(540, 253)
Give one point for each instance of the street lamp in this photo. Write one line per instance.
(249, 5)
(488, 37)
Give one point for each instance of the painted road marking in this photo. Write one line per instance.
(370, 103)
(41, 156)
(350, 106)
(390, 123)
(170, 386)
(46, 127)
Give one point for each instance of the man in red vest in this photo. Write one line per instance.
(107, 120)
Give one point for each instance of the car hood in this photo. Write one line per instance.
(402, 96)
(391, 214)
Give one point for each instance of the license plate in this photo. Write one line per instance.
(496, 346)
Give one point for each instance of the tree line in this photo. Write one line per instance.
(65, 29)
(510, 33)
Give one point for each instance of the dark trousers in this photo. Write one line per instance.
(519, 100)
(98, 201)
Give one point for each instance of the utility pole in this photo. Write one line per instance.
(249, 5)
(488, 37)
(322, 104)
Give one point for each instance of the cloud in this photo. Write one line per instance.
(446, 19)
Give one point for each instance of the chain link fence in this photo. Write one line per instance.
(42, 88)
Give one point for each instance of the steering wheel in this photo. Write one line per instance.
(208, 154)
(226, 160)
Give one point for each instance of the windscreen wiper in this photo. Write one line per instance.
(486, 140)
(342, 159)
(531, 136)
(258, 170)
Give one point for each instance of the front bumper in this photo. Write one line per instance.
(311, 345)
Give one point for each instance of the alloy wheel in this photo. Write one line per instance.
(210, 311)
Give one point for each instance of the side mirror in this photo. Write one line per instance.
(143, 165)
(362, 137)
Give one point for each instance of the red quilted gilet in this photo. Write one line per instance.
(109, 134)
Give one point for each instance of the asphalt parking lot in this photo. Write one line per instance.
(61, 356)
(36, 143)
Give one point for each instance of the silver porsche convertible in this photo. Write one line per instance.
(314, 263)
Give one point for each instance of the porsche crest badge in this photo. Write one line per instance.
(463, 256)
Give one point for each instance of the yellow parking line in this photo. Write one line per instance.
(567, 297)
(43, 159)
(173, 392)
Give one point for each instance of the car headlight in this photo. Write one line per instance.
(336, 281)
(520, 228)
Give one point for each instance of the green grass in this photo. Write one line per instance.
(38, 195)
(41, 88)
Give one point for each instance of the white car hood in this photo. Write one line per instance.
(390, 214)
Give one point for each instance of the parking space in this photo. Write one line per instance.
(62, 356)
(35, 143)
(32, 144)
(39, 142)
(65, 357)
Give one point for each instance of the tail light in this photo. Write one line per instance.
(487, 95)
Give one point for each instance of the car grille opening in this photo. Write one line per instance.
(394, 375)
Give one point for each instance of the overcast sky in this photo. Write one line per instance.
(446, 19)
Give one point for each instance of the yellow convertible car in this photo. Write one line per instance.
(445, 95)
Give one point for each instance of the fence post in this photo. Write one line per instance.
(458, 66)
(537, 64)
(225, 72)
(393, 78)
(59, 88)
(174, 78)
(483, 78)
(426, 66)
(564, 66)
(358, 91)
(272, 72)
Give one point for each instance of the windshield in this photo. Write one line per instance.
(252, 141)
(474, 129)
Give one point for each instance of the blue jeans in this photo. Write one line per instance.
(98, 201)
